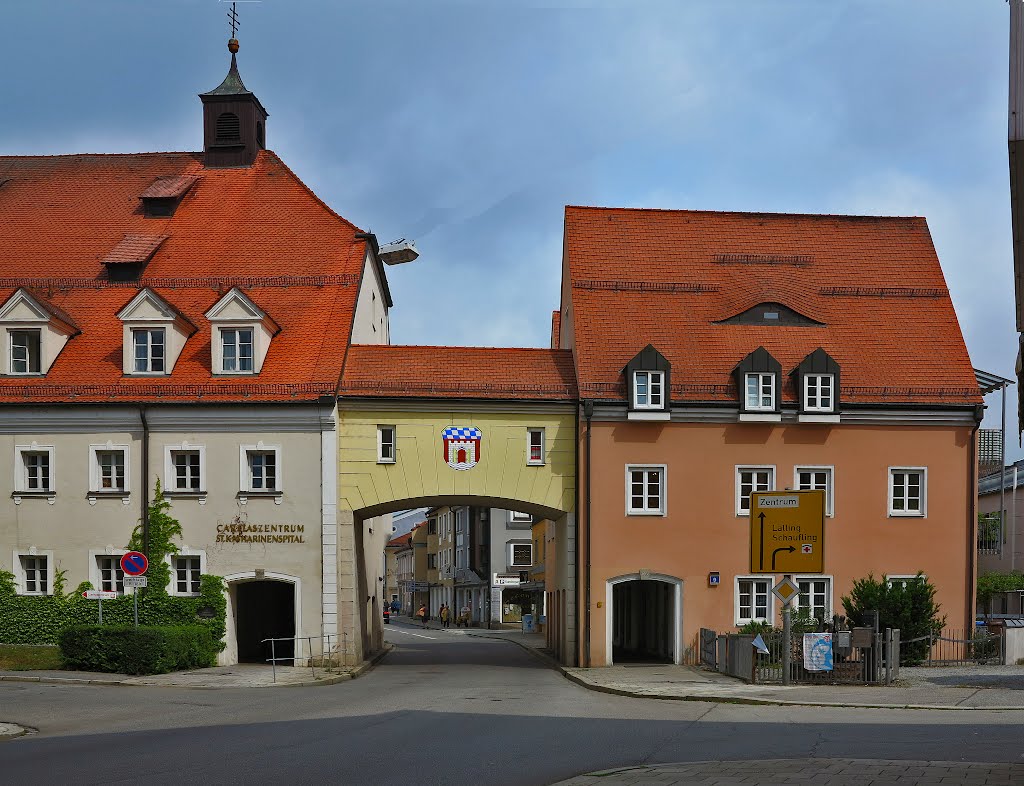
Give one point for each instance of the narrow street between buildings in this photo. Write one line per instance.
(447, 708)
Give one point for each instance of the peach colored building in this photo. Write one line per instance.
(723, 353)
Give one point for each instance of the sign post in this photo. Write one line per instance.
(99, 595)
(134, 564)
(787, 535)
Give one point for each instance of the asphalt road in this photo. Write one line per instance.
(443, 708)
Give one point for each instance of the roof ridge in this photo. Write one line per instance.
(451, 346)
(4, 156)
(308, 190)
(773, 214)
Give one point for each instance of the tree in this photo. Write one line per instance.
(163, 529)
(992, 584)
(907, 605)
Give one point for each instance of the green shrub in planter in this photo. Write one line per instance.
(148, 650)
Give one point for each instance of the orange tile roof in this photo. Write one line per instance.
(259, 228)
(667, 277)
(401, 540)
(134, 248)
(459, 372)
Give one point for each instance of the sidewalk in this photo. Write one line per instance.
(835, 772)
(962, 688)
(242, 675)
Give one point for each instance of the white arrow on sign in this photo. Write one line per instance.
(99, 595)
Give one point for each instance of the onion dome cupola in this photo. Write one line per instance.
(234, 121)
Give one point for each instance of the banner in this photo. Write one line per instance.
(818, 651)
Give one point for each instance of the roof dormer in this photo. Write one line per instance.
(758, 379)
(648, 385)
(155, 332)
(240, 333)
(34, 333)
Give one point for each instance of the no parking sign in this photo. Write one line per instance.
(134, 563)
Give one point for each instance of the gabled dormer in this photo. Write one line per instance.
(240, 333)
(154, 333)
(758, 380)
(816, 380)
(34, 333)
(648, 385)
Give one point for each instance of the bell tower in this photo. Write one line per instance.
(234, 121)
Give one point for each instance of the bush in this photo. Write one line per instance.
(148, 650)
(909, 606)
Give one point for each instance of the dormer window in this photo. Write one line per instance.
(24, 351)
(648, 385)
(649, 389)
(148, 351)
(242, 333)
(758, 378)
(817, 381)
(818, 392)
(760, 392)
(236, 350)
(154, 334)
(34, 332)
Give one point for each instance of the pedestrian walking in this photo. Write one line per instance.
(446, 614)
(464, 616)
(423, 614)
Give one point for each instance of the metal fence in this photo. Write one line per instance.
(954, 647)
(990, 533)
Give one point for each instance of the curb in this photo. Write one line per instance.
(725, 699)
(357, 671)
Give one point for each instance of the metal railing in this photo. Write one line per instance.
(326, 652)
(990, 533)
(954, 647)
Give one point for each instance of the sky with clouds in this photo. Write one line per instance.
(467, 125)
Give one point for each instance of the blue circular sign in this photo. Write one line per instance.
(134, 563)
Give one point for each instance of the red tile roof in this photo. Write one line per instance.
(258, 228)
(134, 248)
(459, 372)
(401, 540)
(169, 187)
(667, 277)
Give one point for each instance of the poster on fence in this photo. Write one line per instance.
(818, 651)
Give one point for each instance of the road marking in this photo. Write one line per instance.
(407, 633)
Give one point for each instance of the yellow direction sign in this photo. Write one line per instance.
(787, 532)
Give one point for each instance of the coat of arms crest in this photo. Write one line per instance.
(461, 446)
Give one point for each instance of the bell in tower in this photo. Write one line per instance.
(234, 121)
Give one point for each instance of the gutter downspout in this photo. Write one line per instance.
(972, 519)
(573, 658)
(588, 412)
(145, 480)
(1002, 475)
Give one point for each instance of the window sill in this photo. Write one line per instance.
(49, 496)
(656, 415)
(818, 417)
(196, 495)
(124, 496)
(760, 417)
(535, 463)
(386, 461)
(245, 496)
(645, 513)
(895, 514)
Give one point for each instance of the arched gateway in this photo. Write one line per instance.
(428, 426)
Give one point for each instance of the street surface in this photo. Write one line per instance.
(445, 708)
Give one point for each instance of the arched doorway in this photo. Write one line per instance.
(644, 619)
(262, 606)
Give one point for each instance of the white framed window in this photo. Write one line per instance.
(236, 355)
(33, 572)
(749, 480)
(760, 392)
(649, 389)
(518, 517)
(109, 575)
(108, 468)
(908, 491)
(645, 490)
(33, 469)
(753, 600)
(815, 595)
(818, 392)
(24, 351)
(148, 350)
(812, 478)
(185, 469)
(260, 467)
(521, 555)
(186, 571)
(535, 446)
(386, 453)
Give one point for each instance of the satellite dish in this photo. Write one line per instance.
(399, 251)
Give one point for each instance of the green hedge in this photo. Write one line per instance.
(148, 650)
(39, 619)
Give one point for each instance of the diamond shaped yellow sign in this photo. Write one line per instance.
(786, 590)
(787, 532)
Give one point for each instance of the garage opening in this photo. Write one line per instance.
(643, 628)
(264, 610)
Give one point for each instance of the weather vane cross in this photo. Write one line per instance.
(233, 18)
